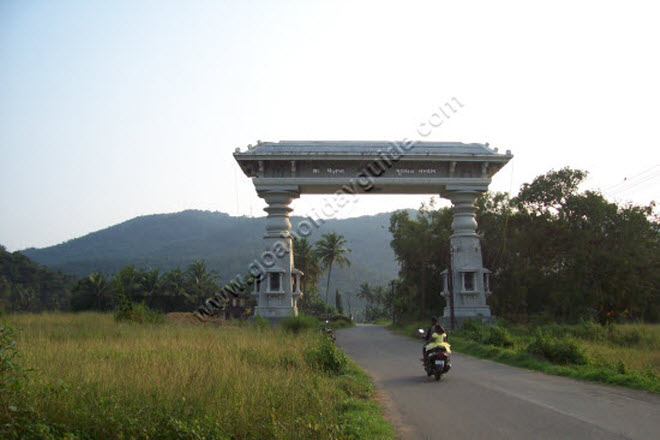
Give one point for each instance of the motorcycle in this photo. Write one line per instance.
(437, 361)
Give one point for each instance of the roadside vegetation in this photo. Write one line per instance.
(575, 281)
(557, 254)
(618, 354)
(88, 375)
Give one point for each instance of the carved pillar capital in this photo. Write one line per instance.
(278, 200)
(465, 222)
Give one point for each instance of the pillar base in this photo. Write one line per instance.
(468, 312)
(275, 312)
(445, 321)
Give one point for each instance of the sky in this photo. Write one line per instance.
(112, 110)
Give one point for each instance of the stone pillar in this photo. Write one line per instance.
(468, 277)
(274, 290)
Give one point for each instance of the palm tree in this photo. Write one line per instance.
(308, 262)
(151, 285)
(98, 287)
(176, 297)
(126, 283)
(330, 249)
(201, 282)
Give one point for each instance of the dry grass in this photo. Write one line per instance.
(643, 355)
(99, 378)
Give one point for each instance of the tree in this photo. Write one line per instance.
(349, 303)
(23, 297)
(201, 283)
(555, 252)
(101, 289)
(150, 285)
(569, 255)
(330, 249)
(338, 304)
(127, 283)
(28, 286)
(93, 292)
(174, 296)
(307, 261)
(5, 295)
(550, 192)
(421, 246)
(374, 298)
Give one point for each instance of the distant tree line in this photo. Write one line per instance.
(175, 290)
(555, 253)
(27, 287)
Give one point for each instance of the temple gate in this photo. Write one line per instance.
(284, 170)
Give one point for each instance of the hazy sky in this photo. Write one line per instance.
(110, 110)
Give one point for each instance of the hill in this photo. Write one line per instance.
(25, 285)
(227, 244)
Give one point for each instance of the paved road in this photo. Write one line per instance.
(480, 399)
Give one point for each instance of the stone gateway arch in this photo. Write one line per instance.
(282, 171)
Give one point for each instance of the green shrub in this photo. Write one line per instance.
(591, 331)
(472, 329)
(341, 321)
(297, 324)
(138, 313)
(499, 337)
(11, 374)
(471, 325)
(260, 323)
(564, 350)
(621, 367)
(327, 357)
(17, 421)
(632, 335)
(554, 329)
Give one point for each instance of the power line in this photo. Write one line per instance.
(627, 181)
(625, 189)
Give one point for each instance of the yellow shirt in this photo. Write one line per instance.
(438, 341)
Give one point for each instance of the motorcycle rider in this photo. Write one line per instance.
(438, 340)
(434, 329)
(429, 332)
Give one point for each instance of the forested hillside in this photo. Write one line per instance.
(24, 285)
(227, 244)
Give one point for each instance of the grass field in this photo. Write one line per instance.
(624, 354)
(95, 378)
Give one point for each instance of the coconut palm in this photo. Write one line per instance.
(92, 292)
(174, 296)
(307, 261)
(201, 282)
(151, 285)
(330, 249)
(100, 288)
(126, 283)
